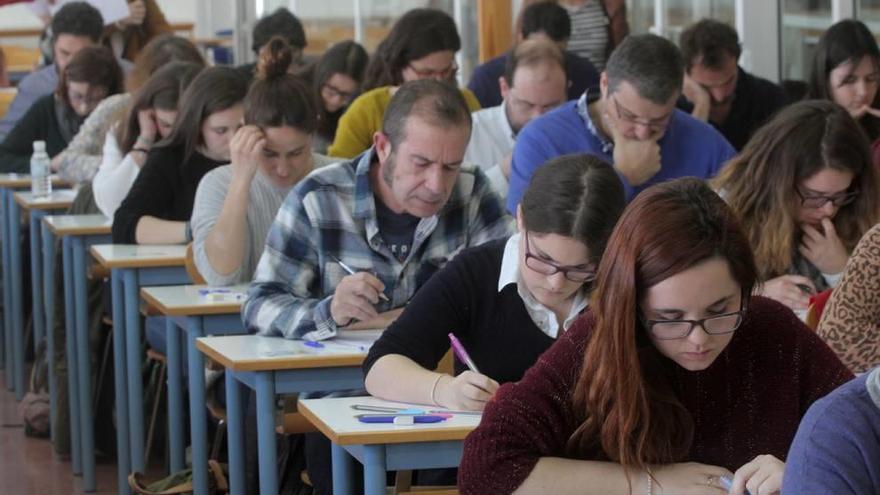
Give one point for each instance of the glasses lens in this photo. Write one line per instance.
(723, 323)
(540, 266)
(580, 276)
(665, 330)
(845, 199)
(814, 202)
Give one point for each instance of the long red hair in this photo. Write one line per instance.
(623, 396)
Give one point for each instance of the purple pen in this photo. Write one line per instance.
(462, 354)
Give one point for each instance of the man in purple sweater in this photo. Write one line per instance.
(837, 448)
(630, 121)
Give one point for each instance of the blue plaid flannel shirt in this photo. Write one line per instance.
(332, 213)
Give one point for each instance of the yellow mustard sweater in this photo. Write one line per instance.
(364, 117)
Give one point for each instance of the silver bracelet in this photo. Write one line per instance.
(434, 389)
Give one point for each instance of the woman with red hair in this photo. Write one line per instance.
(673, 380)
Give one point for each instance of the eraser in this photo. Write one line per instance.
(404, 420)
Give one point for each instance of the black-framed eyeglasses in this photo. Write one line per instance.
(816, 201)
(334, 92)
(680, 329)
(655, 125)
(447, 73)
(547, 267)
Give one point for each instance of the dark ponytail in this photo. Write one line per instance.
(278, 98)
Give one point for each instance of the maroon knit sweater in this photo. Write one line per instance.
(748, 402)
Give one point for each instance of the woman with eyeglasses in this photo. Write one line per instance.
(674, 381)
(805, 191)
(336, 78)
(506, 301)
(421, 45)
(92, 75)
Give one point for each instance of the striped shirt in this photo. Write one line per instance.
(331, 215)
(589, 32)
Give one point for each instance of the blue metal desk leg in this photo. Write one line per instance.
(343, 471)
(49, 297)
(234, 433)
(374, 470)
(134, 359)
(70, 355)
(6, 340)
(37, 275)
(123, 458)
(17, 317)
(84, 364)
(175, 396)
(266, 449)
(199, 427)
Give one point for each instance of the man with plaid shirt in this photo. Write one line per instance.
(394, 215)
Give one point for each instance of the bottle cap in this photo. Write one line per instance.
(39, 145)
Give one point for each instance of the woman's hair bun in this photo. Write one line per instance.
(275, 58)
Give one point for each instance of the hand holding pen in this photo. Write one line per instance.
(468, 391)
(355, 296)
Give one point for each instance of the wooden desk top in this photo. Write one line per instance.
(62, 225)
(24, 180)
(257, 353)
(337, 421)
(188, 300)
(62, 198)
(139, 255)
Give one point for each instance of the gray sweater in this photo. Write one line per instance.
(264, 201)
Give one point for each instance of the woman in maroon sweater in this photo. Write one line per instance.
(673, 379)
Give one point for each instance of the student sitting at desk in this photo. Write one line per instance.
(270, 154)
(508, 300)
(674, 378)
(421, 45)
(394, 215)
(159, 205)
(805, 191)
(91, 76)
(148, 117)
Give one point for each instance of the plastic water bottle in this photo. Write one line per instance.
(41, 184)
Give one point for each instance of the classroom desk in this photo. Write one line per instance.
(272, 366)
(36, 208)
(77, 233)
(131, 267)
(384, 447)
(195, 315)
(9, 183)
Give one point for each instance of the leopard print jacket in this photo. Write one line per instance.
(850, 323)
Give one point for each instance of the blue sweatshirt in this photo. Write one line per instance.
(688, 148)
(837, 447)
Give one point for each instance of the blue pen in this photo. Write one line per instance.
(313, 344)
(400, 420)
(727, 483)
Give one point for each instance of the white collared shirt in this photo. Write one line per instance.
(541, 315)
(492, 139)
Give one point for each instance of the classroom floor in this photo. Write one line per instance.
(29, 465)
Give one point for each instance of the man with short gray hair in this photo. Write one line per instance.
(358, 238)
(631, 121)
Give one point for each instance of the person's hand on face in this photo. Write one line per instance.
(468, 391)
(355, 297)
(690, 478)
(869, 110)
(245, 150)
(762, 476)
(793, 291)
(637, 160)
(695, 93)
(147, 123)
(824, 250)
